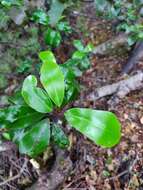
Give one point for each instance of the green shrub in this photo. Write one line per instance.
(32, 122)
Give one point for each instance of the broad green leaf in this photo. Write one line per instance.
(59, 137)
(55, 12)
(36, 140)
(101, 127)
(52, 77)
(35, 97)
(18, 116)
(25, 118)
(52, 37)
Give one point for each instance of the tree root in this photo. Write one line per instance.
(53, 179)
(119, 89)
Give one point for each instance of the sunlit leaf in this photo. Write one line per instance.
(102, 127)
(35, 97)
(52, 77)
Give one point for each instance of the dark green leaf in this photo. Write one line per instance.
(52, 77)
(25, 118)
(59, 137)
(18, 116)
(35, 97)
(52, 37)
(102, 127)
(36, 140)
(17, 99)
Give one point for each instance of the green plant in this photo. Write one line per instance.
(52, 35)
(9, 3)
(128, 13)
(33, 122)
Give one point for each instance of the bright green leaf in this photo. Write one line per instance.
(35, 97)
(102, 127)
(52, 77)
(36, 140)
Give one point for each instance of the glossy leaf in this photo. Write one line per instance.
(40, 17)
(52, 37)
(18, 116)
(52, 77)
(59, 137)
(102, 127)
(35, 97)
(36, 140)
(25, 118)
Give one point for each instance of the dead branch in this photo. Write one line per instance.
(111, 45)
(129, 170)
(16, 176)
(121, 88)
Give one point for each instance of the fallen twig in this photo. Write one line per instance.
(129, 170)
(16, 176)
(120, 89)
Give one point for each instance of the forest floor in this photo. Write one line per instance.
(119, 168)
(95, 168)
